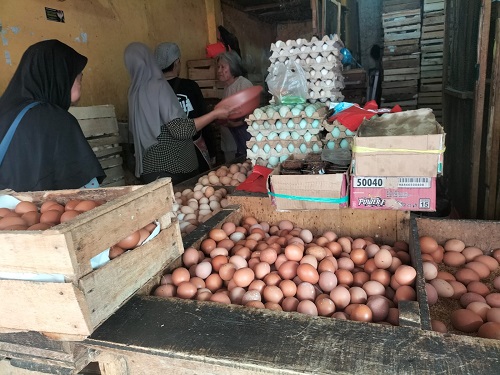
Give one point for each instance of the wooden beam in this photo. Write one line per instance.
(483, 38)
(493, 136)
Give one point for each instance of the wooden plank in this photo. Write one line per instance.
(104, 140)
(431, 80)
(98, 126)
(435, 41)
(407, 63)
(492, 177)
(479, 93)
(104, 152)
(432, 35)
(402, 71)
(431, 73)
(429, 100)
(400, 84)
(401, 21)
(400, 50)
(111, 162)
(431, 88)
(433, 20)
(99, 285)
(425, 68)
(433, 7)
(432, 28)
(438, 47)
(113, 173)
(401, 36)
(96, 111)
(432, 61)
(116, 183)
(400, 90)
(406, 77)
(432, 55)
(408, 5)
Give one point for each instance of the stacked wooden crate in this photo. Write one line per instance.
(431, 75)
(401, 21)
(204, 72)
(100, 127)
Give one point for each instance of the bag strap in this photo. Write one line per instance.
(4, 145)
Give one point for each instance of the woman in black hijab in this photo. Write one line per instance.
(48, 150)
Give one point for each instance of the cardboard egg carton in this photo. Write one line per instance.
(301, 46)
(332, 143)
(273, 156)
(291, 124)
(330, 128)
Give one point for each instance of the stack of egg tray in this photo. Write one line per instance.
(338, 136)
(321, 61)
(279, 131)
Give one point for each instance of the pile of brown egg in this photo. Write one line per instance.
(27, 216)
(283, 267)
(471, 280)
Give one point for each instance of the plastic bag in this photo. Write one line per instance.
(287, 83)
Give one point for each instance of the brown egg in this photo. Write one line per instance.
(45, 206)
(382, 276)
(466, 275)
(360, 278)
(453, 259)
(306, 290)
(40, 226)
(307, 307)
(490, 330)
(344, 277)
(443, 288)
(198, 282)
(165, 291)
(373, 288)
(220, 298)
(9, 221)
(358, 256)
(487, 260)
(24, 206)
(68, 215)
(478, 287)
(243, 277)
(393, 316)
(190, 257)
(272, 293)
(361, 313)
(318, 252)
(31, 218)
(469, 297)
(288, 287)
(481, 269)
(307, 273)
(186, 290)
(445, 276)
(480, 308)
(4, 211)
(128, 242)
(459, 289)
(115, 251)
(208, 245)
(466, 320)
(71, 204)
(405, 275)
(51, 216)
(288, 270)
(493, 299)
(471, 252)
(325, 306)
(180, 275)
(257, 285)
(86, 205)
(454, 245)
(405, 293)
(217, 235)
(493, 315)
(226, 271)
(428, 244)
(383, 259)
(213, 282)
(438, 326)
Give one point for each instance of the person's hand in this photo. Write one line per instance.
(221, 112)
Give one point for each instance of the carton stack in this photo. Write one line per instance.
(401, 20)
(321, 61)
(396, 159)
(279, 131)
(337, 136)
(431, 75)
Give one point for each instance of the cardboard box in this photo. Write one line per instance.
(308, 192)
(400, 155)
(73, 309)
(393, 193)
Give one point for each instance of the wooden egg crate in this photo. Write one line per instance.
(482, 234)
(72, 309)
(202, 69)
(100, 127)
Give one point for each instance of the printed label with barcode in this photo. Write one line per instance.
(415, 182)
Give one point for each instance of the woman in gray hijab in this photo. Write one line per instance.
(162, 132)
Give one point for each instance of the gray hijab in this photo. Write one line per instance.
(151, 100)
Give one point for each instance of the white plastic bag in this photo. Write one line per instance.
(287, 83)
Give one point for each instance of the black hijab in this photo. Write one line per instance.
(48, 150)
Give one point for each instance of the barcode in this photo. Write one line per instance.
(415, 182)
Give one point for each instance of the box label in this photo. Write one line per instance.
(381, 182)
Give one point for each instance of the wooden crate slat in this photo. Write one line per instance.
(428, 68)
(438, 47)
(111, 162)
(431, 100)
(108, 151)
(389, 72)
(202, 69)
(401, 21)
(433, 7)
(433, 35)
(399, 84)
(401, 29)
(113, 173)
(206, 83)
(401, 36)
(431, 55)
(98, 126)
(431, 88)
(410, 63)
(96, 111)
(398, 97)
(45, 307)
(414, 56)
(400, 90)
(400, 77)
(431, 94)
(401, 6)
(393, 50)
(433, 19)
(431, 73)
(431, 28)
(438, 61)
(115, 286)
(431, 80)
(435, 41)
(108, 139)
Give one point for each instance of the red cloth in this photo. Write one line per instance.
(353, 116)
(257, 181)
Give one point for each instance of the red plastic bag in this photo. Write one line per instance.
(257, 180)
(215, 49)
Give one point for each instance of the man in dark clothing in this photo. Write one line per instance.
(191, 99)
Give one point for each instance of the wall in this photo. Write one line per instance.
(294, 30)
(100, 30)
(255, 40)
(370, 29)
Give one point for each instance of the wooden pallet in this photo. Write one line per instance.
(100, 127)
(399, 84)
(433, 6)
(399, 19)
(404, 61)
(401, 49)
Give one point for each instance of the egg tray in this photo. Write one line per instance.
(293, 135)
(286, 112)
(331, 144)
(275, 132)
(291, 148)
(290, 125)
(330, 127)
(274, 157)
(337, 84)
(324, 96)
(306, 60)
(283, 143)
(304, 46)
